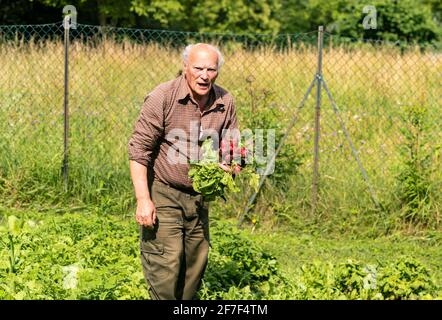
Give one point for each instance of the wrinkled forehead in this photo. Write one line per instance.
(203, 55)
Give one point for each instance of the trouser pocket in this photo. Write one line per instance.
(151, 256)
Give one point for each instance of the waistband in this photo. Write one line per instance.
(186, 191)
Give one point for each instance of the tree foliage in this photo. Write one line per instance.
(404, 20)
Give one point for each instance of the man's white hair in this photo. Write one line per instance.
(187, 49)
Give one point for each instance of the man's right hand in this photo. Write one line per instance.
(146, 213)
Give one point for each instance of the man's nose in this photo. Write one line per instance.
(204, 75)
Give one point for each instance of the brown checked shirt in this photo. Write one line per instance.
(170, 128)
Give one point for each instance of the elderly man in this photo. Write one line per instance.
(173, 218)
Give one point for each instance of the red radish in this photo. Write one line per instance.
(243, 152)
(223, 146)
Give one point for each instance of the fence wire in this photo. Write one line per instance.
(112, 69)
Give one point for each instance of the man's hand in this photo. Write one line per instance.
(234, 170)
(225, 167)
(146, 213)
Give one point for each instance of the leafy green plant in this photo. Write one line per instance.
(235, 262)
(405, 278)
(357, 281)
(13, 231)
(414, 179)
(102, 249)
(210, 179)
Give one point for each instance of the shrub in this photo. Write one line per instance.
(414, 183)
(235, 262)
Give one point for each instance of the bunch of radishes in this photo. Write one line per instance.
(233, 157)
(213, 174)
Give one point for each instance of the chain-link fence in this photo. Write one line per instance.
(366, 91)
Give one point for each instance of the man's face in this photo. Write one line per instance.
(201, 70)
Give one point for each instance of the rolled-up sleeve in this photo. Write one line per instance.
(148, 129)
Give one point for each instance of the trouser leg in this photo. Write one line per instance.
(174, 253)
(196, 245)
(196, 249)
(161, 255)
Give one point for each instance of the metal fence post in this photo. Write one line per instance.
(317, 120)
(66, 25)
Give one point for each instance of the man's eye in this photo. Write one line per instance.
(198, 68)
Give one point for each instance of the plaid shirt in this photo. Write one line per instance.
(168, 113)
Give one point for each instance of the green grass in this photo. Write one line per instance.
(372, 87)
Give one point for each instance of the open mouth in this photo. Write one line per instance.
(203, 85)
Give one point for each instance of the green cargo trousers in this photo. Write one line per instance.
(174, 252)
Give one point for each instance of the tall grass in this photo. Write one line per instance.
(107, 84)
